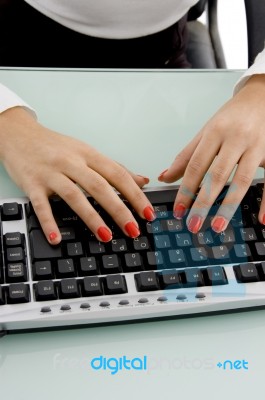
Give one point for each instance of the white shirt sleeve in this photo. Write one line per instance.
(9, 99)
(257, 68)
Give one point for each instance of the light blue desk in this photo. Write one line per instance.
(121, 113)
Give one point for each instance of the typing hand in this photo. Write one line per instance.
(43, 162)
(234, 138)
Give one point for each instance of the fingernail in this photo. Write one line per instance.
(149, 213)
(218, 224)
(161, 175)
(52, 236)
(104, 234)
(195, 223)
(132, 229)
(147, 180)
(179, 211)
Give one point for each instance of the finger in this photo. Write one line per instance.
(77, 200)
(119, 178)
(214, 181)
(199, 163)
(140, 180)
(177, 168)
(242, 179)
(262, 206)
(43, 211)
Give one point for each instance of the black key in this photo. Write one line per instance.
(91, 286)
(16, 273)
(154, 227)
(68, 288)
(65, 268)
(118, 245)
(115, 284)
(205, 238)
(18, 293)
(261, 269)
(14, 254)
(75, 249)
(248, 234)
(133, 262)
(170, 280)
(141, 243)
(11, 211)
(242, 251)
(96, 247)
(67, 233)
(199, 255)
(146, 281)
(227, 236)
(88, 266)
(2, 296)
(260, 247)
(41, 249)
(220, 252)
(183, 239)
(45, 290)
(154, 258)
(172, 225)
(162, 241)
(177, 258)
(33, 223)
(14, 239)
(215, 276)
(161, 211)
(42, 270)
(194, 277)
(111, 264)
(246, 273)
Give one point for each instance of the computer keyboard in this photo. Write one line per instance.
(165, 272)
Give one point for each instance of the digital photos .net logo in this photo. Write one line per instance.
(115, 365)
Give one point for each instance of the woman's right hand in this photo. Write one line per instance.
(43, 162)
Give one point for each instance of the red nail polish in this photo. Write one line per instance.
(218, 224)
(104, 234)
(162, 173)
(52, 236)
(149, 214)
(147, 180)
(179, 211)
(195, 223)
(132, 229)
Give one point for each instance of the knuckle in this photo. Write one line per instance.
(218, 174)
(70, 193)
(244, 180)
(194, 167)
(98, 184)
(120, 173)
(119, 211)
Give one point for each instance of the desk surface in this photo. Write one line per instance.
(119, 112)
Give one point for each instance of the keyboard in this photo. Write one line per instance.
(165, 272)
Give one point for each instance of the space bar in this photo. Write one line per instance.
(40, 248)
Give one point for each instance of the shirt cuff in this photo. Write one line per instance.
(258, 67)
(9, 99)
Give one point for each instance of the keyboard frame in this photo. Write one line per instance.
(218, 299)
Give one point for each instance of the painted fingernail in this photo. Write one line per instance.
(104, 234)
(147, 180)
(162, 174)
(132, 229)
(218, 224)
(149, 214)
(179, 211)
(195, 223)
(52, 236)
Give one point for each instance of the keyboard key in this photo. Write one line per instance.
(14, 254)
(246, 273)
(177, 258)
(67, 233)
(75, 249)
(242, 251)
(65, 268)
(68, 288)
(146, 281)
(16, 273)
(45, 290)
(115, 284)
(220, 252)
(199, 255)
(41, 249)
(260, 248)
(141, 243)
(154, 258)
(215, 276)
(118, 245)
(154, 227)
(14, 239)
(172, 225)
(88, 266)
(133, 262)
(194, 277)
(111, 264)
(18, 293)
(161, 211)
(183, 239)
(162, 241)
(205, 238)
(96, 247)
(248, 234)
(170, 280)
(11, 212)
(42, 270)
(91, 286)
